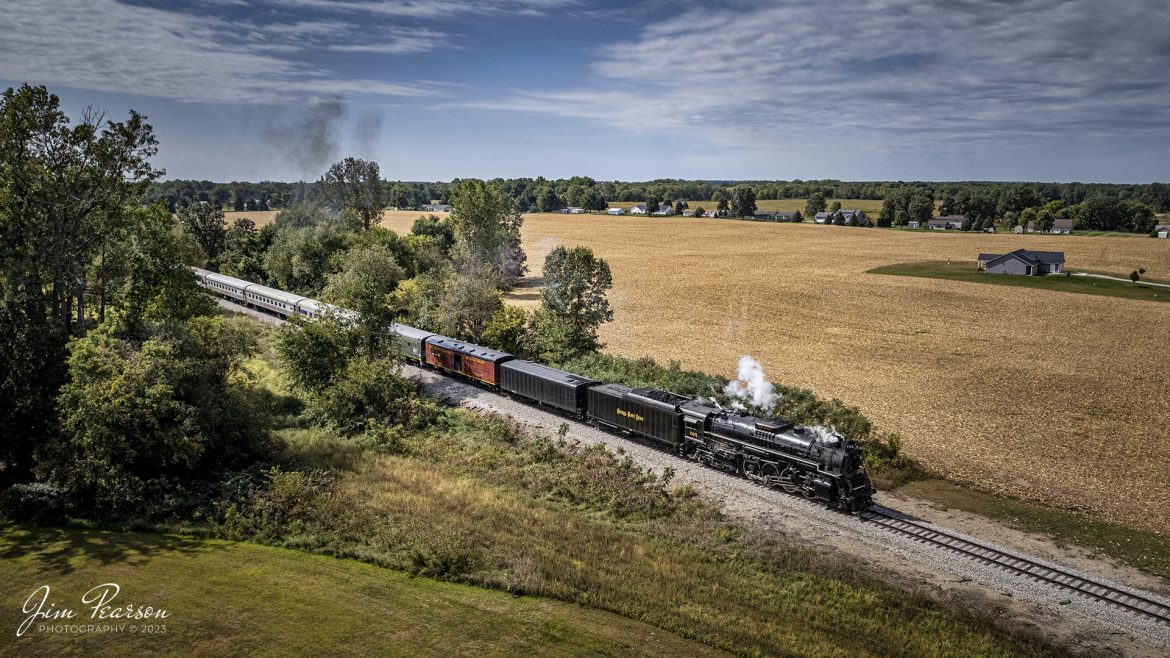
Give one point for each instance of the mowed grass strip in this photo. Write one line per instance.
(235, 599)
(1144, 550)
(1085, 285)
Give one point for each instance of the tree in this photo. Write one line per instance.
(312, 353)
(920, 209)
(547, 199)
(70, 201)
(815, 204)
(439, 229)
(487, 228)
(593, 200)
(206, 224)
(575, 283)
(508, 330)
(468, 303)
(363, 393)
(299, 259)
(836, 205)
(238, 203)
(243, 250)
(354, 184)
(652, 204)
(744, 201)
(721, 198)
(168, 408)
(368, 276)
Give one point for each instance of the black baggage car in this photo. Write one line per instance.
(549, 386)
(650, 412)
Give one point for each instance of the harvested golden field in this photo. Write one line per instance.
(259, 217)
(1046, 395)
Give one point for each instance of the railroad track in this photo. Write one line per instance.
(1022, 566)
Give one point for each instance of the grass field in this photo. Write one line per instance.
(1039, 394)
(958, 271)
(234, 599)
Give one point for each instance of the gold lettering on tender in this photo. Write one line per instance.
(631, 415)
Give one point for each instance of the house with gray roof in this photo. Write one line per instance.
(1062, 225)
(1023, 262)
(1162, 232)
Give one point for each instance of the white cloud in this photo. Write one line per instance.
(896, 73)
(109, 46)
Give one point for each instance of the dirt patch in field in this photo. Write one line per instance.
(1051, 396)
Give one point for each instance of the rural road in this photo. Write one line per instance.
(1068, 619)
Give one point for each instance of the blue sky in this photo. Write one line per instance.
(1045, 90)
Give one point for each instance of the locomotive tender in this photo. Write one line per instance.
(774, 453)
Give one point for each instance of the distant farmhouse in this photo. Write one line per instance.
(615, 211)
(848, 217)
(1023, 262)
(436, 207)
(572, 211)
(948, 223)
(1162, 232)
(638, 210)
(777, 216)
(1060, 225)
(665, 210)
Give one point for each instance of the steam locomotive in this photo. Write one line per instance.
(775, 453)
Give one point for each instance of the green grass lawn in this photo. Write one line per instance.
(965, 271)
(1144, 550)
(227, 598)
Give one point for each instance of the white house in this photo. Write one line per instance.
(615, 211)
(1162, 232)
(638, 210)
(1062, 225)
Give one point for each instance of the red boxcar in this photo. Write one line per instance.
(473, 361)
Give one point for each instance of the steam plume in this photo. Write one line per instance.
(751, 386)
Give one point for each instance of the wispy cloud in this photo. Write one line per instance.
(893, 71)
(110, 46)
(432, 8)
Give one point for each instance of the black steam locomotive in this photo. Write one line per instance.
(775, 453)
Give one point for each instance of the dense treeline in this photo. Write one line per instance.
(545, 195)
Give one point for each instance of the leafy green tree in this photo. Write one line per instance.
(575, 284)
(439, 229)
(815, 204)
(920, 209)
(300, 259)
(593, 200)
(721, 198)
(487, 228)
(468, 303)
(244, 248)
(68, 195)
(363, 394)
(508, 331)
(368, 276)
(744, 202)
(553, 337)
(206, 224)
(356, 185)
(835, 206)
(170, 408)
(312, 353)
(652, 204)
(547, 199)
